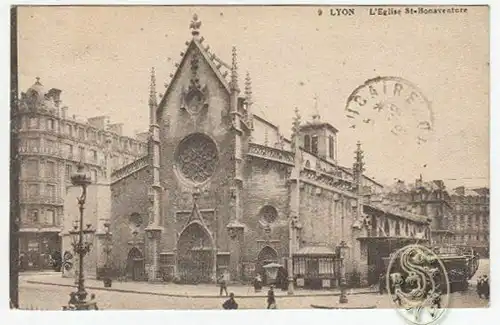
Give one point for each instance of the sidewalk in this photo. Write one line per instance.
(178, 290)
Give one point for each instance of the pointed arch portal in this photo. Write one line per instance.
(135, 265)
(266, 255)
(195, 253)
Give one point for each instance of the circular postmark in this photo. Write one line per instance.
(396, 101)
(418, 284)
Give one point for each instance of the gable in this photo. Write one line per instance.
(206, 69)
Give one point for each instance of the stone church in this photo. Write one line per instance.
(222, 189)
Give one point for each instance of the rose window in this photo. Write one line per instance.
(197, 157)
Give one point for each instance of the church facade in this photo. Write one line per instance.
(222, 189)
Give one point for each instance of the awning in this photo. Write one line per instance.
(315, 251)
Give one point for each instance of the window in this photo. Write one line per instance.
(387, 230)
(33, 143)
(68, 172)
(68, 151)
(398, 231)
(93, 154)
(50, 169)
(50, 217)
(307, 143)
(51, 191)
(331, 147)
(31, 168)
(325, 266)
(82, 153)
(51, 124)
(299, 266)
(93, 175)
(268, 214)
(34, 216)
(33, 190)
(314, 145)
(81, 133)
(33, 123)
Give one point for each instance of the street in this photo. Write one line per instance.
(49, 297)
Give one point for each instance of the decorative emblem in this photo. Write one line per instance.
(417, 282)
(197, 157)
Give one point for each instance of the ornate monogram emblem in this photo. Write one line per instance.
(418, 284)
(197, 158)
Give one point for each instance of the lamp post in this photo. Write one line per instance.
(293, 225)
(82, 238)
(341, 253)
(107, 251)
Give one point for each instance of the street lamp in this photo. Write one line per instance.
(293, 226)
(82, 238)
(341, 249)
(107, 251)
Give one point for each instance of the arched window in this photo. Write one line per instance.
(307, 143)
(135, 219)
(398, 230)
(406, 229)
(268, 214)
(387, 229)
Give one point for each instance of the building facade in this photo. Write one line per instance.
(51, 145)
(471, 216)
(432, 200)
(222, 189)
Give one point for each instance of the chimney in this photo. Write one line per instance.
(64, 112)
(98, 122)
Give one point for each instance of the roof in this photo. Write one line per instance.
(315, 251)
(398, 212)
(197, 45)
(312, 125)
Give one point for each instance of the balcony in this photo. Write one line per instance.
(52, 152)
(42, 199)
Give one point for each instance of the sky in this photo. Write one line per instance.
(101, 58)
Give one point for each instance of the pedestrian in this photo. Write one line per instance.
(230, 303)
(271, 300)
(223, 283)
(486, 287)
(257, 283)
(381, 283)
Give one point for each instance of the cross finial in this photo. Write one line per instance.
(195, 25)
(38, 80)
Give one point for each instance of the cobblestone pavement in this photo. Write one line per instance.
(53, 297)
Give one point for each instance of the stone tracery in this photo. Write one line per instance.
(197, 157)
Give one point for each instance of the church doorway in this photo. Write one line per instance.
(266, 255)
(135, 265)
(195, 255)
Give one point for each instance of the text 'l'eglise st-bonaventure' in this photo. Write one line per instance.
(414, 11)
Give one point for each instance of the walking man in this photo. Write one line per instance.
(223, 279)
(271, 300)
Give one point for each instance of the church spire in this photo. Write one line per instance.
(248, 99)
(152, 89)
(234, 72)
(358, 167)
(296, 129)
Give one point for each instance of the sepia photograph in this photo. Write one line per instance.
(250, 157)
